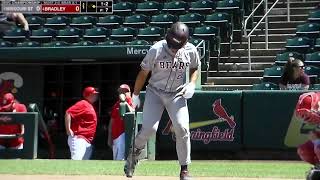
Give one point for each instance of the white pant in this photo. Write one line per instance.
(17, 147)
(80, 149)
(118, 147)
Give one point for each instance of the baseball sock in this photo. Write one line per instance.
(184, 168)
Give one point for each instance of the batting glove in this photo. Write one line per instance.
(189, 90)
(135, 101)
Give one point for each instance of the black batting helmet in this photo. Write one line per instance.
(177, 36)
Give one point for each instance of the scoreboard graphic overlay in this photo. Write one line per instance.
(57, 7)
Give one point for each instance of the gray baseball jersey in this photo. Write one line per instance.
(168, 70)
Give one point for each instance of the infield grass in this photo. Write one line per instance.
(263, 169)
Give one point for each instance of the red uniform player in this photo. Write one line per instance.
(9, 104)
(81, 123)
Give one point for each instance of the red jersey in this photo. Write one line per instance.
(12, 128)
(117, 124)
(83, 120)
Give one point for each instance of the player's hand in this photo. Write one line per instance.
(188, 91)
(70, 132)
(135, 101)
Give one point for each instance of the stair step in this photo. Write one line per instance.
(234, 80)
(293, 11)
(293, 4)
(255, 45)
(293, 18)
(233, 87)
(244, 66)
(271, 37)
(256, 52)
(244, 59)
(276, 31)
(253, 73)
(280, 24)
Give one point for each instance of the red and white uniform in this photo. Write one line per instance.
(83, 125)
(117, 131)
(16, 143)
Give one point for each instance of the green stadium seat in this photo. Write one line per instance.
(273, 74)
(57, 22)
(151, 33)
(265, 86)
(223, 22)
(191, 19)
(149, 8)
(317, 44)
(313, 58)
(202, 6)
(28, 44)
(137, 20)
(314, 16)
(138, 42)
(97, 34)
(109, 43)
(84, 43)
(35, 22)
(123, 8)
(282, 58)
(123, 34)
(194, 41)
(83, 22)
(56, 44)
(71, 35)
(311, 30)
(299, 44)
(232, 7)
(43, 35)
(4, 44)
(313, 72)
(206, 32)
(110, 21)
(175, 7)
(163, 20)
(15, 35)
(314, 87)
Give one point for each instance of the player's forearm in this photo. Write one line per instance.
(193, 75)
(22, 129)
(22, 20)
(141, 79)
(67, 120)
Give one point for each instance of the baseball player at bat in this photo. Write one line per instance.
(167, 61)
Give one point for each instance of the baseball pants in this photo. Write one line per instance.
(118, 147)
(154, 104)
(80, 149)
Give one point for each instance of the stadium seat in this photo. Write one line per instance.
(15, 35)
(202, 6)
(123, 8)
(110, 21)
(4, 44)
(282, 58)
(56, 44)
(28, 44)
(313, 58)
(57, 22)
(191, 19)
(206, 32)
(71, 35)
(123, 34)
(138, 42)
(84, 43)
(233, 7)
(314, 87)
(151, 33)
(223, 21)
(273, 74)
(194, 41)
(149, 8)
(175, 7)
(317, 44)
(265, 86)
(314, 16)
(313, 72)
(310, 30)
(35, 22)
(109, 43)
(97, 34)
(43, 35)
(83, 22)
(137, 20)
(163, 20)
(299, 44)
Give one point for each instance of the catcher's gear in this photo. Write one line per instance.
(313, 174)
(177, 36)
(135, 101)
(307, 108)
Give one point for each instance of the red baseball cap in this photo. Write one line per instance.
(8, 100)
(88, 91)
(124, 86)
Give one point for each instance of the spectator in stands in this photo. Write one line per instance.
(81, 124)
(9, 104)
(7, 21)
(294, 77)
(116, 134)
